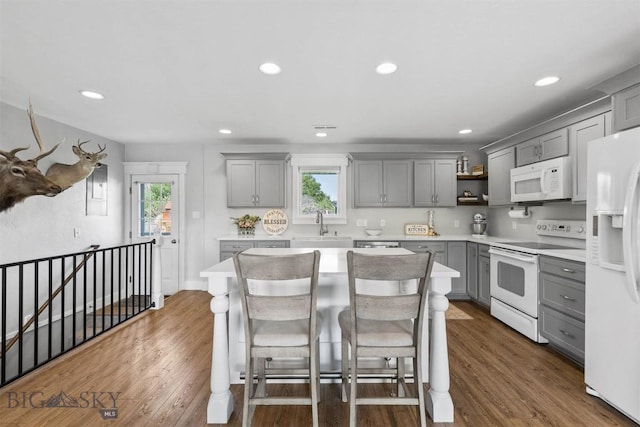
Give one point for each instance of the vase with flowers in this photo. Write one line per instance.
(246, 224)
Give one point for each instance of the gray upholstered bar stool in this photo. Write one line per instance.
(279, 297)
(385, 319)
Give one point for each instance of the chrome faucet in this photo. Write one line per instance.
(320, 220)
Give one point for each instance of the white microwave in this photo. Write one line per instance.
(548, 180)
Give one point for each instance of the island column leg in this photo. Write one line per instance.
(220, 404)
(439, 402)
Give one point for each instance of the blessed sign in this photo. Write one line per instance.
(275, 221)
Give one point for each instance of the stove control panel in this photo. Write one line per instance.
(562, 228)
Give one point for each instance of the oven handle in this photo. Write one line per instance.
(508, 254)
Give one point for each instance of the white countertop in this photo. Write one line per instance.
(332, 261)
(574, 254)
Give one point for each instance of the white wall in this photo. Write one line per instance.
(43, 226)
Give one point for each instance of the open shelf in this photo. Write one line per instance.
(482, 177)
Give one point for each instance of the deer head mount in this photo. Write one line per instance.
(19, 178)
(67, 175)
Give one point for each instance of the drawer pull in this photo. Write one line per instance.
(566, 334)
(568, 298)
(568, 270)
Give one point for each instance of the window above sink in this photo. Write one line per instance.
(319, 183)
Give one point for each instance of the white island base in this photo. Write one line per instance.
(227, 364)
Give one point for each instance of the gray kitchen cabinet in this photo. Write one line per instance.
(484, 274)
(382, 183)
(500, 164)
(228, 248)
(255, 183)
(472, 270)
(457, 259)
(478, 269)
(626, 108)
(579, 135)
(434, 182)
(548, 146)
(562, 305)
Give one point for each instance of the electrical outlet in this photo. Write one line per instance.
(361, 223)
(76, 233)
(514, 225)
(382, 223)
(456, 223)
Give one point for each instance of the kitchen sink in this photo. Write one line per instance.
(321, 242)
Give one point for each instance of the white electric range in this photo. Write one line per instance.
(515, 269)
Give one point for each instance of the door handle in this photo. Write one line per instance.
(174, 241)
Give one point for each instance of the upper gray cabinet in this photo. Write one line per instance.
(382, 183)
(500, 164)
(545, 147)
(579, 135)
(434, 182)
(255, 183)
(626, 108)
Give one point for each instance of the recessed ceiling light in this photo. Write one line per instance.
(464, 131)
(91, 94)
(225, 131)
(321, 134)
(270, 68)
(546, 81)
(386, 68)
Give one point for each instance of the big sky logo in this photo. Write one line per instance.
(106, 402)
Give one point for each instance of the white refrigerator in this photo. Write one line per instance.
(612, 334)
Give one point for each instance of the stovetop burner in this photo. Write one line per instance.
(534, 245)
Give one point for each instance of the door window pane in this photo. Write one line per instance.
(154, 208)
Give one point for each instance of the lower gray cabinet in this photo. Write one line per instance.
(478, 269)
(228, 248)
(457, 259)
(452, 254)
(484, 270)
(562, 299)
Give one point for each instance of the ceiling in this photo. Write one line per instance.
(178, 71)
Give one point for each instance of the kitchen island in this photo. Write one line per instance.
(227, 364)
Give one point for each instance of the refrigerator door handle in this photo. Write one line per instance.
(631, 233)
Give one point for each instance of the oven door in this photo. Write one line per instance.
(514, 279)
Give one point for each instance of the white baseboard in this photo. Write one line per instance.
(194, 285)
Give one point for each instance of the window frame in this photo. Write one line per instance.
(300, 164)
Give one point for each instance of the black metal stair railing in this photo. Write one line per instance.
(49, 306)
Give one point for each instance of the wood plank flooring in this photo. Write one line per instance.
(160, 365)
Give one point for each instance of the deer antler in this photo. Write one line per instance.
(36, 135)
(10, 155)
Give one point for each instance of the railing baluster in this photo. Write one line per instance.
(36, 303)
(62, 308)
(104, 267)
(3, 368)
(74, 325)
(20, 314)
(126, 283)
(111, 282)
(95, 291)
(49, 309)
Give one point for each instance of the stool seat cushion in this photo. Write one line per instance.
(284, 333)
(377, 333)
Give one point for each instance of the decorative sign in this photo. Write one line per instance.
(275, 221)
(416, 229)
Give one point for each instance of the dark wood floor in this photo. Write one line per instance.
(160, 365)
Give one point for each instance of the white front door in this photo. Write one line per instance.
(155, 212)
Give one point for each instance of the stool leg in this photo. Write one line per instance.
(345, 369)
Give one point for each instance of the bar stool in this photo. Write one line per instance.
(279, 297)
(385, 326)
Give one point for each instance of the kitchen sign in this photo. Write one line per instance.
(275, 221)
(416, 229)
